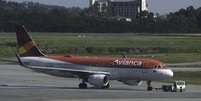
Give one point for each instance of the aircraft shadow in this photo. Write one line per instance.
(55, 87)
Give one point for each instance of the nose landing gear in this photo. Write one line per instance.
(149, 87)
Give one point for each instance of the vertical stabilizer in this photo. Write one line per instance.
(25, 45)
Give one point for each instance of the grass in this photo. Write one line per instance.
(178, 57)
(189, 77)
(169, 49)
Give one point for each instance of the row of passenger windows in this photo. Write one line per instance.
(140, 71)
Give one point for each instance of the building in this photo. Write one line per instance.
(124, 8)
(144, 5)
(120, 8)
(100, 5)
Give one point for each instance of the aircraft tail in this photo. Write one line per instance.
(25, 45)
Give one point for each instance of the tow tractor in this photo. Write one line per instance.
(178, 86)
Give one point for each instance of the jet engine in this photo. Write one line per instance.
(131, 82)
(98, 80)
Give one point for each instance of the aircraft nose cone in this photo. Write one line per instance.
(164, 74)
(169, 73)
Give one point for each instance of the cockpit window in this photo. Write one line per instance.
(158, 66)
(154, 71)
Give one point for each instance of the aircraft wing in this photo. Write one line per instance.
(76, 72)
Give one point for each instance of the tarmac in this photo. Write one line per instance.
(21, 84)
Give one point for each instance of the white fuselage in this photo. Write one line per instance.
(116, 73)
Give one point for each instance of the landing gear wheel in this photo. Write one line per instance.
(149, 87)
(83, 86)
(107, 86)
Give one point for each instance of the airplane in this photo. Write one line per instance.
(97, 71)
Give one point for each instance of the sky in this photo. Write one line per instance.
(156, 6)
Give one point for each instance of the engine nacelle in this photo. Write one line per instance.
(98, 80)
(131, 82)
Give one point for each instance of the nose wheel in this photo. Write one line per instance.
(149, 87)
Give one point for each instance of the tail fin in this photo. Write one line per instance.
(25, 45)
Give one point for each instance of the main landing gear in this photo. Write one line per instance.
(83, 85)
(107, 86)
(149, 87)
